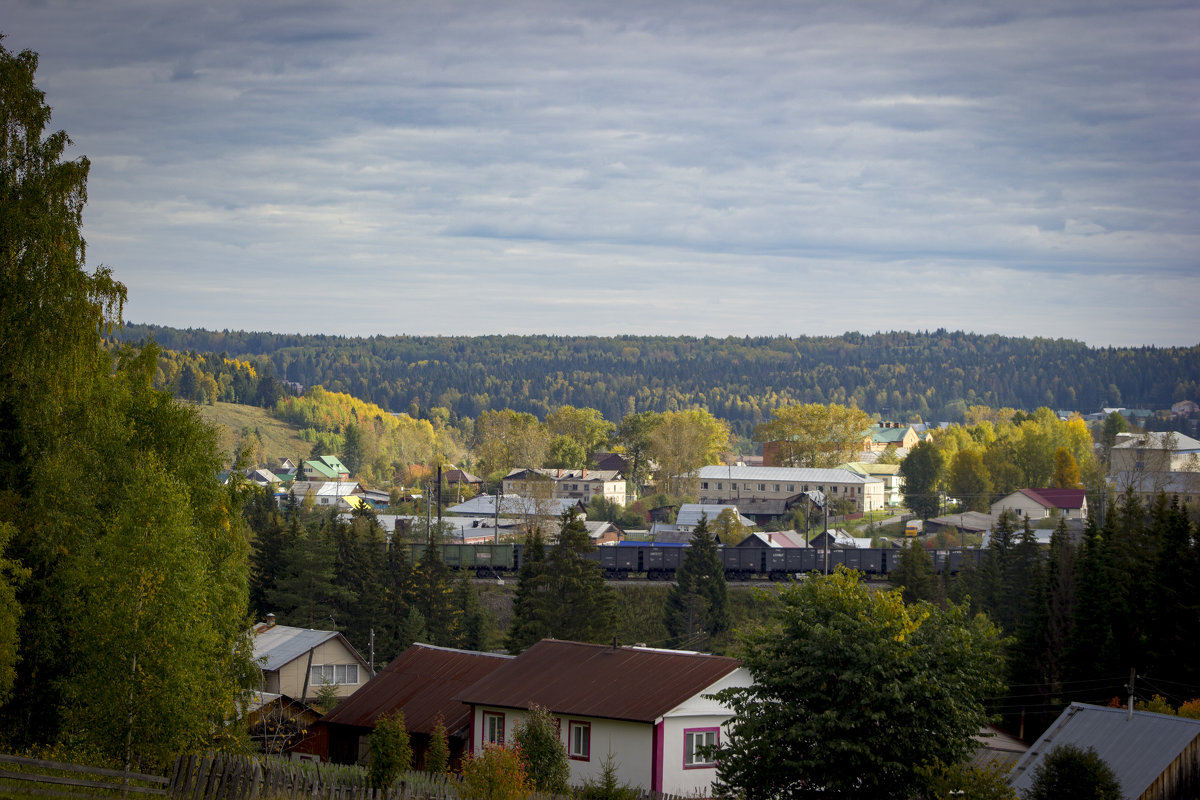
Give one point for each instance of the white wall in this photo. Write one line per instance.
(698, 712)
(630, 744)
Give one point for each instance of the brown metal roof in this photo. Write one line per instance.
(423, 682)
(593, 680)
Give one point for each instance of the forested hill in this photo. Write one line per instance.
(933, 374)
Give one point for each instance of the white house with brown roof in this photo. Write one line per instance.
(1036, 504)
(648, 709)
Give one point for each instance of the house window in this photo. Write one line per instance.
(704, 484)
(336, 674)
(762, 487)
(493, 728)
(777, 487)
(699, 746)
(579, 740)
(719, 487)
(791, 487)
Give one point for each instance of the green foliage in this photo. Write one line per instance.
(853, 691)
(498, 773)
(684, 441)
(914, 575)
(969, 481)
(921, 470)
(965, 782)
(391, 750)
(373, 442)
(437, 757)
(12, 574)
(560, 593)
(326, 697)
(542, 752)
(607, 786)
(697, 605)
(926, 375)
(1070, 771)
(815, 434)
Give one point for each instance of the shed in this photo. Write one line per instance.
(1155, 756)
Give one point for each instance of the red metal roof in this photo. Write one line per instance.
(422, 682)
(1058, 498)
(593, 680)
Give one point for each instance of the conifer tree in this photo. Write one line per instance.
(914, 574)
(584, 602)
(433, 593)
(697, 605)
(530, 615)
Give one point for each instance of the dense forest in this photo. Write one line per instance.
(931, 375)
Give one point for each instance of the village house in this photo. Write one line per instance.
(423, 682)
(648, 709)
(1035, 504)
(568, 484)
(296, 662)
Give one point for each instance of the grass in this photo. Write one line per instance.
(279, 439)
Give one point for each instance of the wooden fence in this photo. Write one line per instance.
(34, 777)
(225, 777)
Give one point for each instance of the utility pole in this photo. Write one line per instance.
(1130, 687)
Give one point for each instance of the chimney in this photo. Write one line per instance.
(270, 620)
(585, 472)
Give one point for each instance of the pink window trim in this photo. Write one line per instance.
(571, 723)
(687, 731)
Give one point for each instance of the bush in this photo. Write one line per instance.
(1070, 771)
(391, 750)
(607, 787)
(437, 759)
(498, 773)
(543, 753)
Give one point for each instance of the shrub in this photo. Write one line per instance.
(498, 773)
(437, 759)
(1070, 771)
(543, 753)
(606, 786)
(391, 750)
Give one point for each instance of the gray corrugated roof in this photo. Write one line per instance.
(689, 513)
(1138, 749)
(786, 474)
(282, 644)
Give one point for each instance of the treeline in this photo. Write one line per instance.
(931, 375)
(319, 570)
(1081, 615)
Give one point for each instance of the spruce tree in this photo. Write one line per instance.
(697, 605)
(530, 614)
(914, 574)
(584, 602)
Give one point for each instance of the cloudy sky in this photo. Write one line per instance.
(668, 167)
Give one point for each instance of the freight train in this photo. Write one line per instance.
(659, 562)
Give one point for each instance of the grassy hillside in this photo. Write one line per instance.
(279, 440)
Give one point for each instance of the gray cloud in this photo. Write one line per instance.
(542, 166)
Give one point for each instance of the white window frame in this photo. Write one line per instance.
(579, 740)
(695, 739)
(493, 727)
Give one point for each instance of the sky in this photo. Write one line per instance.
(1028, 168)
